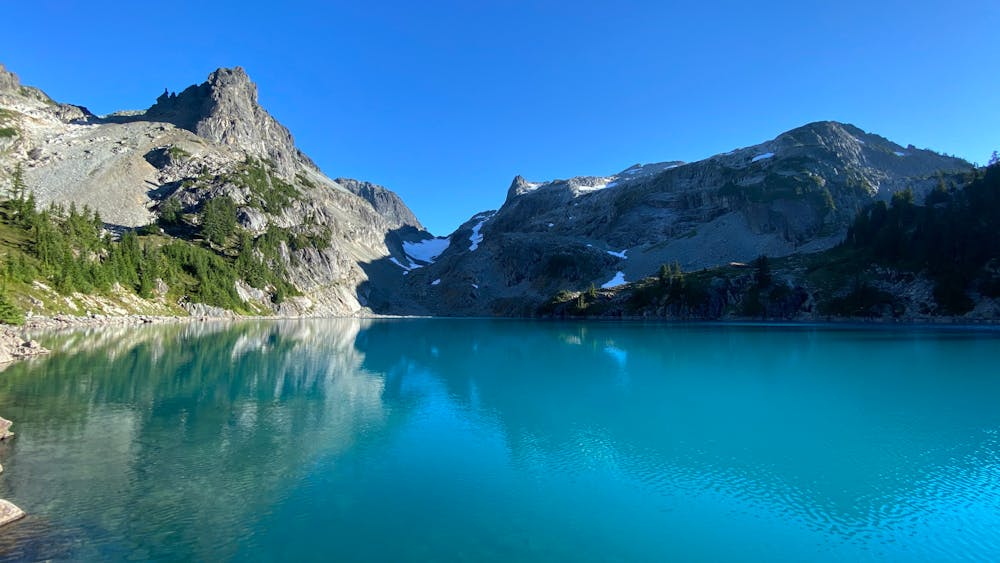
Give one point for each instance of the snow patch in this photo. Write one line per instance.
(436, 282)
(426, 250)
(475, 286)
(619, 254)
(897, 153)
(476, 237)
(760, 157)
(552, 225)
(598, 187)
(407, 269)
(616, 281)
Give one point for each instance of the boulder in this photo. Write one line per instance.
(5, 429)
(9, 513)
(13, 347)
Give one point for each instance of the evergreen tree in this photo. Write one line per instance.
(664, 275)
(9, 312)
(170, 211)
(762, 275)
(219, 220)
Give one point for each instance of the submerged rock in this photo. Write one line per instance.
(9, 512)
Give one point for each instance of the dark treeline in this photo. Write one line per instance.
(953, 238)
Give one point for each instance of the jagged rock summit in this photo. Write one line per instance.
(224, 109)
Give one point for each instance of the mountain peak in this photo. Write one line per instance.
(519, 186)
(234, 81)
(224, 109)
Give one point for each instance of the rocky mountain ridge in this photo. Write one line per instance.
(797, 193)
(211, 141)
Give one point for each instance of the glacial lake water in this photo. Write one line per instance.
(483, 440)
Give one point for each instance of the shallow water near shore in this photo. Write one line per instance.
(499, 440)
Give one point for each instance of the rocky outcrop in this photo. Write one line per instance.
(386, 203)
(207, 311)
(8, 80)
(13, 347)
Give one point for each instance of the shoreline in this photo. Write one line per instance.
(94, 321)
(71, 322)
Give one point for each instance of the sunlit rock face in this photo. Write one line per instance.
(195, 146)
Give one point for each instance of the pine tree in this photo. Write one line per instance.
(762, 276)
(219, 220)
(9, 312)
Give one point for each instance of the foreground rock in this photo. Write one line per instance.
(13, 347)
(9, 513)
(5, 431)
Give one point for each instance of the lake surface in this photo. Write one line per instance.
(479, 440)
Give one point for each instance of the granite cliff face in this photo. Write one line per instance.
(212, 140)
(797, 193)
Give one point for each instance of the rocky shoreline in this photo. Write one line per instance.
(9, 512)
(92, 321)
(73, 321)
(13, 348)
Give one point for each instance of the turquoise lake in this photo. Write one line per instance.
(490, 440)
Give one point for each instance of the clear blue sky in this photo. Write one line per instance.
(445, 102)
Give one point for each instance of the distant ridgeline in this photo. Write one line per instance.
(899, 261)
